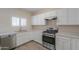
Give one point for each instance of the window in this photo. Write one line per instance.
(15, 21)
(21, 22)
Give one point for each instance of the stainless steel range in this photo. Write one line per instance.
(48, 38)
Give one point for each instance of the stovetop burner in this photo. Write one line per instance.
(49, 35)
(50, 32)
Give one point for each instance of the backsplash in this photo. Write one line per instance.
(69, 28)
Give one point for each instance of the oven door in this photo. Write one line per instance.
(47, 39)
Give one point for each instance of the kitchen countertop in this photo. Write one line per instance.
(7, 33)
(74, 35)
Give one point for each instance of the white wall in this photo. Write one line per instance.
(5, 19)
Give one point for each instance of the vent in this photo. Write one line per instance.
(51, 18)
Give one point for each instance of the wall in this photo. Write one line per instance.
(5, 19)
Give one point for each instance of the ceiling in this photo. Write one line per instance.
(38, 10)
(32, 10)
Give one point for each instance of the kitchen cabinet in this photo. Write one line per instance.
(34, 20)
(73, 16)
(40, 19)
(62, 17)
(66, 42)
(23, 37)
(75, 44)
(68, 16)
(62, 43)
(37, 36)
(59, 44)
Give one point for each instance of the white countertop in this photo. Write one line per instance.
(75, 35)
(7, 33)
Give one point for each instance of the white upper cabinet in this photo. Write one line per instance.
(65, 16)
(73, 16)
(40, 19)
(34, 20)
(62, 17)
(68, 16)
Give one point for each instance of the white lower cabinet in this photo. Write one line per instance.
(67, 43)
(62, 43)
(27, 36)
(37, 36)
(23, 38)
(75, 44)
(59, 44)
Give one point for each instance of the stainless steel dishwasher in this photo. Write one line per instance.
(7, 41)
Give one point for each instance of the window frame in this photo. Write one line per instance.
(19, 22)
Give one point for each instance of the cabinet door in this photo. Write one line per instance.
(23, 37)
(38, 20)
(59, 44)
(77, 22)
(34, 20)
(41, 20)
(66, 43)
(36, 36)
(75, 44)
(72, 16)
(62, 17)
(63, 43)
